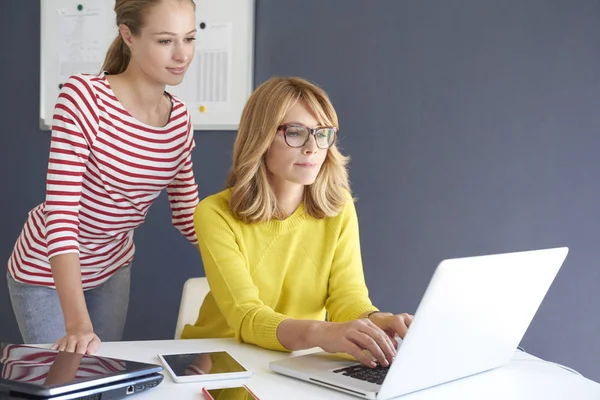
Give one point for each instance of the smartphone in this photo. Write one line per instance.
(233, 393)
(202, 367)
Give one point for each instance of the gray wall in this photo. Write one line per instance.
(472, 127)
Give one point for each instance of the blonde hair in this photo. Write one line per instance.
(130, 13)
(252, 199)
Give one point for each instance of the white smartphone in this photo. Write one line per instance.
(203, 367)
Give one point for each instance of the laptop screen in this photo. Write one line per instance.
(37, 370)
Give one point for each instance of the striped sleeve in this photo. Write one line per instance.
(183, 195)
(75, 122)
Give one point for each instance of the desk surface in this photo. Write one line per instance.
(525, 377)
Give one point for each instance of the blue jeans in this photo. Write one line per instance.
(40, 316)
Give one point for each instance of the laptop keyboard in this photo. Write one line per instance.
(374, 375)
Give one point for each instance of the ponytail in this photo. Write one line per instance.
(117, 57)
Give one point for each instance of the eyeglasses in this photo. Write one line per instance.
(298, 135)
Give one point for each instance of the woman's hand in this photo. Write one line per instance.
(80, 340)
(354, 337)
(392, 324)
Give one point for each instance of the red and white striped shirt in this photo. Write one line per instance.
(105, 170)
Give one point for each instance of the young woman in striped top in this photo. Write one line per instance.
(118, 140)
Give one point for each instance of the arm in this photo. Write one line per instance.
(183, 195)
(296, 334)
(74, 124)
(230, 281)
(348, 295)
(347, 303)
(67, 279)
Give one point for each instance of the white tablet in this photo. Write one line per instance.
(202, 367)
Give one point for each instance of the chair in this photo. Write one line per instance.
(194, 292)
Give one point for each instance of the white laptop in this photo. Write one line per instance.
(471, 319)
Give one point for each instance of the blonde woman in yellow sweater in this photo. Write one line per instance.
(280, 246)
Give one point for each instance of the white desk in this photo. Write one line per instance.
(526, 377)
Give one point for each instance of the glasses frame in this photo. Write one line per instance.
(311, 131)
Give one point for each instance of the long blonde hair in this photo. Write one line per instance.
(130, 13)
(252, 199)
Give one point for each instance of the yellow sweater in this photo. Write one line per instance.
(263, 273)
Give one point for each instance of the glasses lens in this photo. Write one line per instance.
(325, 137)
(295, 136)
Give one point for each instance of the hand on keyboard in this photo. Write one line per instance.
(355, 336)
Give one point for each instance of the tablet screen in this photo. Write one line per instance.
(218, 362)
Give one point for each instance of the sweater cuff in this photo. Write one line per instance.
(269, 340)
(355, 314)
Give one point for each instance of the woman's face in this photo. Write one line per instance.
(165, 46)
(295, 165)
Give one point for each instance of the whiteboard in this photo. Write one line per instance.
(75, 35)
